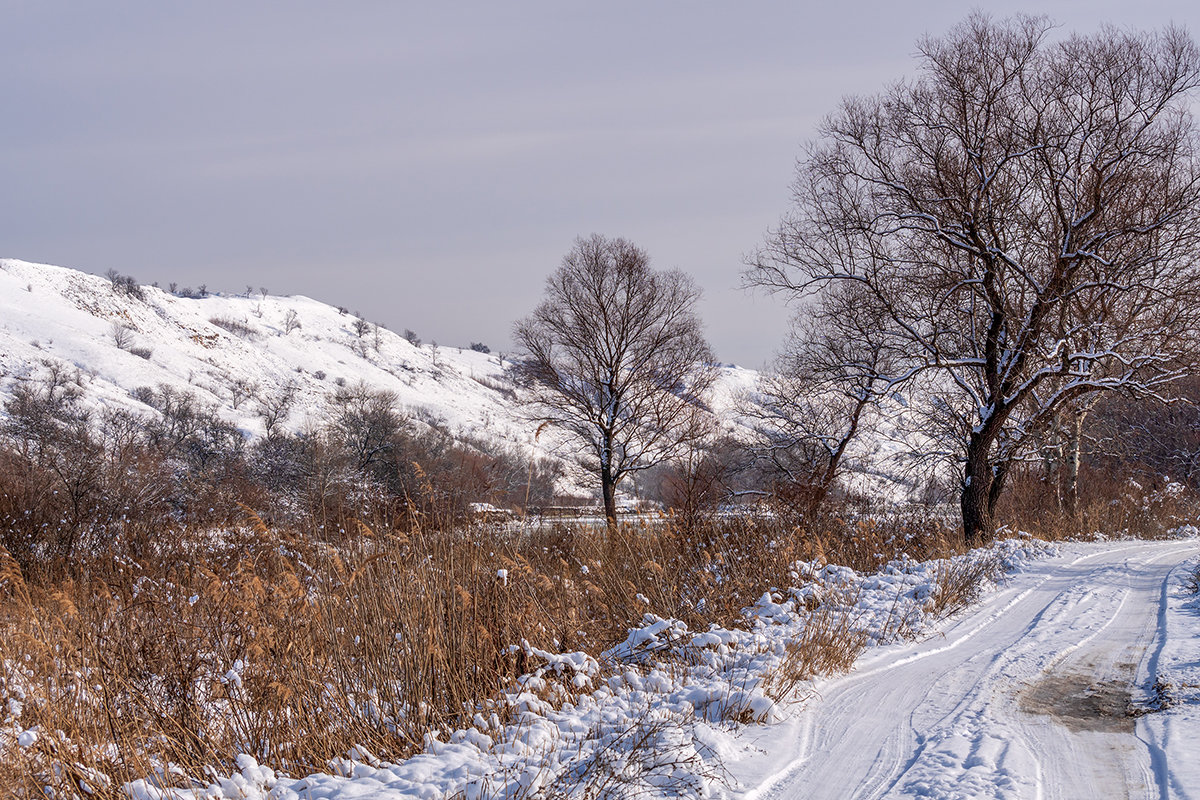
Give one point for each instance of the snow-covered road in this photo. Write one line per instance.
(1028, 695)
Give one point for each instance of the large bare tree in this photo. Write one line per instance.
(1024, 215)
(614, 356)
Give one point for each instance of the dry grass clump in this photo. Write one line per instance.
(866, 543)
(237, 327)
(960, 582)
(830, 644)
(293, 654)
(1109, 501)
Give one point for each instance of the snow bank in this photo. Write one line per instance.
(1172, 725)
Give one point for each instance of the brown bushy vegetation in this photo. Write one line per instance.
(266, 642)
(171, 596)
(74, 481)
(1111, 502)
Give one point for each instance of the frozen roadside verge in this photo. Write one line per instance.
(1037, 691)
(1171, 724)
(659, 713)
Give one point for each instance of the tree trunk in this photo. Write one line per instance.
(999, 477)
(976, 500)
(609, 488)
(821, 491)
(1074, 456)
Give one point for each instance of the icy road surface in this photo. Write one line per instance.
(1034, 693)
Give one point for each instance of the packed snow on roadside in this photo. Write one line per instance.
(657, 714)
(1174, 724)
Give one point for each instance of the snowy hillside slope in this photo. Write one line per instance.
(52, 314)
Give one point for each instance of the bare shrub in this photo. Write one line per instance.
(236, 327)
(122, 334)
(143, 394)
(60, 464)
(125, 284)
(367, 422)
(241, 390)
(274, 407)
(646, 759)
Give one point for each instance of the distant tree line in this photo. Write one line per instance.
(75, 481)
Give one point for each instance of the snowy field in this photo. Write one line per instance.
(1076, 676)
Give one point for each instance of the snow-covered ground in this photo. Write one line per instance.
(1076, 677)
(67, 316)
(1044, 690)
(1173, 733)
(1026, 694)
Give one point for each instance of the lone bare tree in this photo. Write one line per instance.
(615, 357)
(1023, 216)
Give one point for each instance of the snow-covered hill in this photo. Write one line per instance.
(235, 351)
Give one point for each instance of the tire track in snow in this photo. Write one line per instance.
(1081, 696)
(1148, 671)
(999, 608)
(942, 718)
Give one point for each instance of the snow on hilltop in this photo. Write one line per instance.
(229, 349)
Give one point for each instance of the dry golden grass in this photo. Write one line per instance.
(959, 583)
(262, 642)
(829, 645)
(1110, 501)
(265, 642)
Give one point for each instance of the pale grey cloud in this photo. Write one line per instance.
(428, 163)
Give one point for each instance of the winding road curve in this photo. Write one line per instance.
(1031, 694)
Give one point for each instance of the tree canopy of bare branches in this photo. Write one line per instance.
(614, 356)
(824, 389)
(1023, 217)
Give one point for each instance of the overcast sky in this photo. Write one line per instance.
(430, 163)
